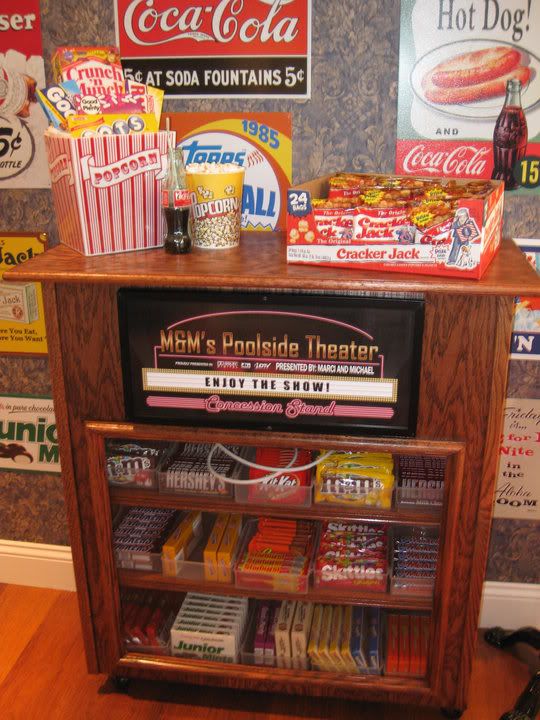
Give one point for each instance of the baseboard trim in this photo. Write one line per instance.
(510, 605)
(36, 564)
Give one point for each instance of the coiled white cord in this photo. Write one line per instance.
(244, 461)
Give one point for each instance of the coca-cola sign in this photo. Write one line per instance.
(232, 48)
(444, 159)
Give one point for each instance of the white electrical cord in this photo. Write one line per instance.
(275, 471)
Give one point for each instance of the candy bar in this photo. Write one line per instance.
(283, 632)
(287, 488)
(300, 632)
(212, 546)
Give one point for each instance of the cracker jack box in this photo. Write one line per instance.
(107, 190)
(431, 226)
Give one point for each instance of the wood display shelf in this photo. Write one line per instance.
(151, 498)
(465, 344)
(155, 581)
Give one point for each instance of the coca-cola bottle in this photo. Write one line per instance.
(176, 202)
(509, 137)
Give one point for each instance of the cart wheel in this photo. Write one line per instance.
(120, 682)
(451, 713)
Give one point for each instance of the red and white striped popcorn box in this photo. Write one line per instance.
(107, 190)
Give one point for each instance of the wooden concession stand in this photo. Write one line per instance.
(465, 351)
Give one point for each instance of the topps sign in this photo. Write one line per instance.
(217, 48)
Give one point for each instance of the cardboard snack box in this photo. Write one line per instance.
(107, 190)
(458, 243)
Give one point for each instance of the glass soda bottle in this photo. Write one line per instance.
(509, 137)
(176, 202)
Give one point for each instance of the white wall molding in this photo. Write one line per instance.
(36, 564)
(510, 605)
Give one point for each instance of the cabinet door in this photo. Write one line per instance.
(376, 521)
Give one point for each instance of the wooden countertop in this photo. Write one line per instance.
(260, 262)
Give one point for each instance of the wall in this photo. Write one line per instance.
(350, 123)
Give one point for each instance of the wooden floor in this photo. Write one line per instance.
(43, 677)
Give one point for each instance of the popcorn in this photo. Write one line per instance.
(212, 167)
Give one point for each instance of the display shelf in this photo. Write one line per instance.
(273, 679)
(150, 498)
(155, 581)
(262, 264)
(465, 340)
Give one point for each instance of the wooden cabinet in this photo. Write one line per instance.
(462, 388)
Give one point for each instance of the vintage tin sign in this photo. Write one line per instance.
(217, 48)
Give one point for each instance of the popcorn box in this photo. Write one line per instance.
(461, 244)
(107, 190)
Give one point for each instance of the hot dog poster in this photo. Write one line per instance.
(458, 115)
(23, 162)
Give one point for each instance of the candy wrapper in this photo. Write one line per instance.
(97, 70)
(364, 479)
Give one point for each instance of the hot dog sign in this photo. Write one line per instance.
(469, 91)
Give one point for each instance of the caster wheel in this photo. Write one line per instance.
(495, 636)
(121, 683)
(450, 713)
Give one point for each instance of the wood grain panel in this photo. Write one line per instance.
(261, 263)
(68, 460)
(463, 349)
(89, 353)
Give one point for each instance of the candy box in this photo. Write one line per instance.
(430, 226)
(107, 190)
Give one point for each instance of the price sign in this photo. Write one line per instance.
(527, 172)
(16, 147)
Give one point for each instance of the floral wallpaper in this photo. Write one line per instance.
(349, 123)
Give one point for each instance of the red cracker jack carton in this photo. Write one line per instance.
(107, 190)
(430, 226)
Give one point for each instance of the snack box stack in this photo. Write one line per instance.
(220, 550)
(260, 645)
(407, 644)
(363, 479)
(186, 471)
(420, 482)
(352, 555)
(134, 464)
(346, 639)
(275, 554)
(139, 535)
(289, 488)
(415, 555)
(178, 547)
(147, 620)
(210, 627)
(390, 222)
